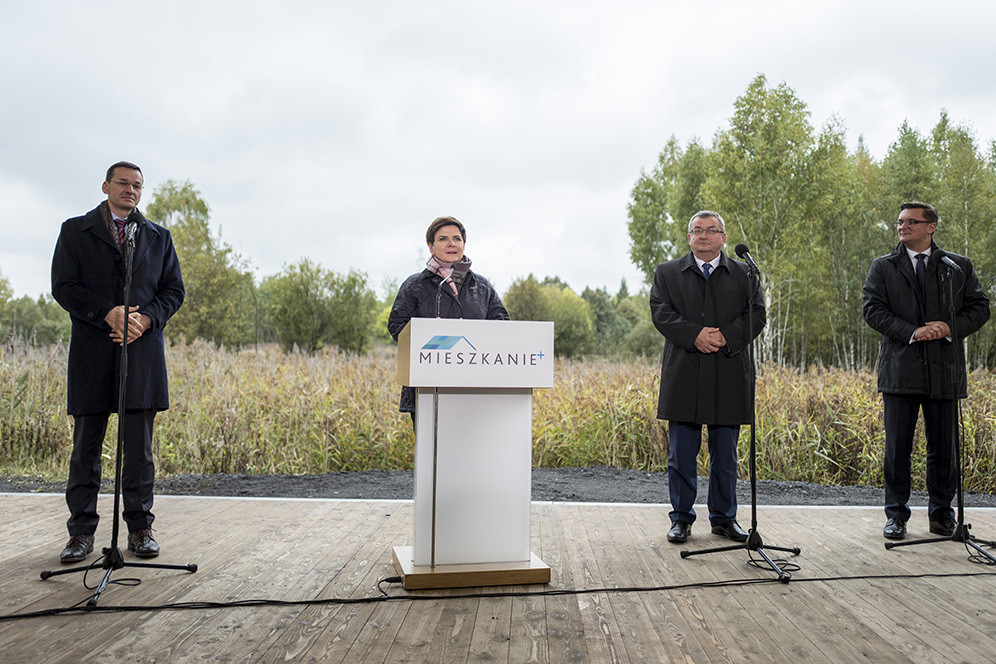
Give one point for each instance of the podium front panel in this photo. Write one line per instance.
(483, 474)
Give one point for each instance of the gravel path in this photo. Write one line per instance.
(597, 484)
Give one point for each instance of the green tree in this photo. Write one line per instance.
(573, 327)
(311, 307)
(966, 204)
(40, 320)
(909, 168)
(610, 329)
(299, 306)
(654, 235)
(353, 307)
(644, 340)
(527, 299)
(573, 330)
(221, 302)
(6, 291)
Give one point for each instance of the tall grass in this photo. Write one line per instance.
(270, 412)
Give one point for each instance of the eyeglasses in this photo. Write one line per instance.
(911, 222)
(708, 231)
(126, 184)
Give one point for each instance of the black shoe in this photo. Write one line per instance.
(78, 548)
(945, 527)
(730, 529)
(680, 530)
(895, 528)
(142, 544)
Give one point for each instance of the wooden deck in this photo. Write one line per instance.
(322, 549)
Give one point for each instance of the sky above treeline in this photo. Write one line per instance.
(338, 131)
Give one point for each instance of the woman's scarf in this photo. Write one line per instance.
(455, 273)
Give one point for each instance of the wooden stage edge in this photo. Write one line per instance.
(424, 577)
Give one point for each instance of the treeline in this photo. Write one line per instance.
(307, 307)
(815, 215)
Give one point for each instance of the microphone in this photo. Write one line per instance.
(130, 231)
(439, 291)
(744, 253)
(950, 263)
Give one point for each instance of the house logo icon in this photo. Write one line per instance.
(446, 342)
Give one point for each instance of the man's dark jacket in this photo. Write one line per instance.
(88, 281)
(418, 298)
(705, 388)
(892, 306)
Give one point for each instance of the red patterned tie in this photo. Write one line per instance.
(120, 223)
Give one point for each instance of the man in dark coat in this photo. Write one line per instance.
(446, 288)
(922, 359)
(701, 304)
(88, 276)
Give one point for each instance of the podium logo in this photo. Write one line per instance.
(445, 342)
(440, 350)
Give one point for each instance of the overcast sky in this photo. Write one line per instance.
(338, 130)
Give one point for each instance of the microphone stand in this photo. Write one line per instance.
(754, 542)
(113, 558)
(961, 531)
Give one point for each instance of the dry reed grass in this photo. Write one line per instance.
(269, 412)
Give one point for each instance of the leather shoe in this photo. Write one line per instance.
(945, 527)
(730, 529)
(680, 530)
(895, 528)
(78, 548)
(142, 544)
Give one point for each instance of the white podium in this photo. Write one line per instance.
(473, 449)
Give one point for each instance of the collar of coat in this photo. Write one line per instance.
(899, 255)
(688, 262)
(93, 222)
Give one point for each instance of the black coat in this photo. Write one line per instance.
(418, 298)
(892, 306)
(88, 281)
(705, 388)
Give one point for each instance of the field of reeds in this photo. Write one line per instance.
(268, 412)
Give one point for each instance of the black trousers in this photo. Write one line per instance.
(901, 413)
(138, 472)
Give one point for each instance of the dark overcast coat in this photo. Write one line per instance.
(892, 307)
(705, 388)
(88, 281)
(417, 298)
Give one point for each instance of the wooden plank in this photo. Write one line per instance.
(328, 549)
(351, 632)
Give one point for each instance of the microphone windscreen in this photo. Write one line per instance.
(741, 250)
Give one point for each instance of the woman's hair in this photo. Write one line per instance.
(430, 235)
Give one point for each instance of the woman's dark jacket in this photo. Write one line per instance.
(420, 296)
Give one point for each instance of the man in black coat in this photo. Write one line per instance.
(701, 304)
(88, 276)
(922, 359)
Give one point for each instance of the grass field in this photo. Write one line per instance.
(269, 412)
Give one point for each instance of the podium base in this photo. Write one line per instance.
(414, 577)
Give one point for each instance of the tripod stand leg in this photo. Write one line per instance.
(783, 576)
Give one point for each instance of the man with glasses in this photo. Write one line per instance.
(699, 302)
(921, 363)
(88, 276)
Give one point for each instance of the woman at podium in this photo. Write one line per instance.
(446, 288)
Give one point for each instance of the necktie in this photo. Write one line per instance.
(921, 275)
(120, 223)
(706, 269)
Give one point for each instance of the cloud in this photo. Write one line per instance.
(338, 131)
